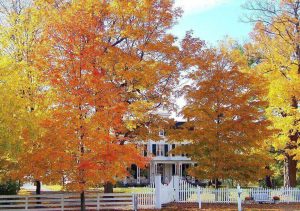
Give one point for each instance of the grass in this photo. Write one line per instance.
(53, 187)
(58, 188)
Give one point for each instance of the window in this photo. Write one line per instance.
(161, 133)
(166, 150)
(173, 147)
(145, 150)
(160, 150)
(154, 149)
(173, 169)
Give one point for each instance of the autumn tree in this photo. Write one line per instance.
(275, 52)
(111, 64)
(20, 30)
(226, 123)
(11, 115)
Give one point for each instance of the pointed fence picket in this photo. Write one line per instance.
(261, 194)
(187, 192)
(146, 197)
(221, 195)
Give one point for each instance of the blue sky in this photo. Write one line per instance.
(212, 20)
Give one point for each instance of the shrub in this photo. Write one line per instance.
(9, 188)
(248, 198)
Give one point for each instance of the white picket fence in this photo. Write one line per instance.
(146, 200)
(146, 197)
(286, 195)
(221, 195)
(187, 192)
(167, 193)
(190, 193)
(56, 202)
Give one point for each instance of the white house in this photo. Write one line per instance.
(162, 161)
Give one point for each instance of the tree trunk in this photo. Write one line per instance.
(216, 183)
(290, 170)
(108, 187)
(268, 181)
(82, 201)
(290, 165)
(38, 187)
(38, 191)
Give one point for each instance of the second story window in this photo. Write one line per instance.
(166, 150)
(145, 150)
(160, 150)
(161, 133)
(154, 149)
(173, 147)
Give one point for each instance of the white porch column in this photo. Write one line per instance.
(138, 175)
(152, 174)
(180, 169)
(177, 170)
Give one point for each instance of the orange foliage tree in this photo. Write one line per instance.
(226, 124)
(110, 64)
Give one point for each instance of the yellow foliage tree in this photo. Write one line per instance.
(20, 33)
(275, 53)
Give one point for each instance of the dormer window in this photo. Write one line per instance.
(161, 133)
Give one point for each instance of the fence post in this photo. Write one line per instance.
(158, 192)
(288, 190)
(176, 187)
(135, 202)
(62, 203)
(239, 190)
(26, 202)
(98, 201)
(199, 197)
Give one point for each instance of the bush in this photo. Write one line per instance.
(119, 184)
(9, 188)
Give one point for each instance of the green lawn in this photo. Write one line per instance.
(116, 190)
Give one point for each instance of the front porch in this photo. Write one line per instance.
(166, 169)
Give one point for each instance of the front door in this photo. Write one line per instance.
(167, 173)
(160, 170)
